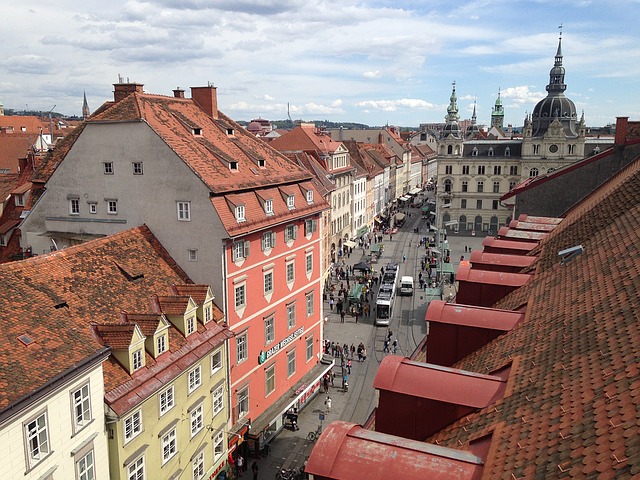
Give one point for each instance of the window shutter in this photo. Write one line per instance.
(246, 249)
(314, 225)
(295, 232)
(233, 252)
(263, 241)
(273, 239)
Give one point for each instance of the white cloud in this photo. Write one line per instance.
(393, 105)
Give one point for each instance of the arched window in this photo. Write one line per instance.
(449, 149)
(507, 152)
(474, 152)
(448, 185)
(490, 152)
(533, 172)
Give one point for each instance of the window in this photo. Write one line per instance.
(216, 362)
(291, 315)
(465, 186)
(448, 185)
(496, 187)
(465, 169)
(268, 283)
(93, 207)
(169, 446)
(268, 207)
(474, 152)
(243, 402)
(269, 330)
(184, 211)
(309, 196)
(291, 202)
(167, 400)
(309, 348)
(512, 185)
(291, 363)
(533, 172)
(137, 359)
(195, 378)
(18, 200)
(448, 169)
(513, 170)
(290, 233)
(309, 262)
(268, 240)
(198, 466)
(497, 169)
(463, 203)
(479, 204)
(310, 226)
(137, 168)
(37, 437)
(494, 206)
(507, 152)
(480, 187)
(241, 347)
(290, 272)
(197, 419)
(233, 165)
(107, 168)
(81, 406)
(135, 471)
(112, 207)
(192, 254)
(270, 380)
(132, 426)
(536, 149)
(161, 344)
(218, 399)
(74, 206)
(490, 152)
(309, 304)
(480, 169)
(218, 445)
(191, 325)
(207, 313)
(239, 250)
(84, 467)
(240, 213)
(240, 297)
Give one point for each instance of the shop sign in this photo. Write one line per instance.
(263, 356)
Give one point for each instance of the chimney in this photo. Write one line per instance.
(122, 90)
(207, 99)
(622, 124)
(380, 137)
(178, 93)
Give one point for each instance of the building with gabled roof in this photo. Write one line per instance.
(77, 305)
(232, 211)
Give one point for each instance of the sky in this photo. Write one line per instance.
(375, 62)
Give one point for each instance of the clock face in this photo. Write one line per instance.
(553, 148)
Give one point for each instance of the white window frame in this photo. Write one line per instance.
(93, 207)
(74, 206)
(309, 300)
(291, 315)
(192, 253)
(309, 347)
(194, 379)
(133, 423)
(240, 249)
(36, 437)
(309, 196)
(107, 168)
(290, 269)
(137, 168)
(218, 445)
(290, 233)
(191, 325)
(218, 400)
(161, 344)
(268, 282)
(207, 313)
(310, 226)
(216, 362)
(241, 347)
(112, 207)
(268, 241)
(309, 262)
(270, 380)
(268, 207)
(291, 202)
(291, 363)
(198, 466)
(269, 329)
(197, 420)
(169, 446)
(240, 296)
(137, 359)
(167, 400)
(243, 401)
(81, 402)
(86, 466)
(184, 211)
(135, 470)
(240, 213)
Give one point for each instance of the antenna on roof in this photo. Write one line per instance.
(288, 112)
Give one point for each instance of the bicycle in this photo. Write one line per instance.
(313, 436)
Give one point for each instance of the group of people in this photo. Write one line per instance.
(390, 343)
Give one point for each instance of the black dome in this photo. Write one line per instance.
(554, 106)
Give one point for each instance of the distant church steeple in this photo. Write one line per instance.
(497, 114)
(85, 108)
(451, 127)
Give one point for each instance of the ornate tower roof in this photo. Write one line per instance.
(473, 128)
(86, 113)
(452, 127)
(497, 114)
(555, 105)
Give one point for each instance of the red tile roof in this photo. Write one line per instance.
(14, 147)
(55, 298)
(574, 410)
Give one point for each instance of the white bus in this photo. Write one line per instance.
(384, 304)
(406, 285)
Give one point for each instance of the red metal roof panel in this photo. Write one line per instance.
(480, 257)
(472, 316)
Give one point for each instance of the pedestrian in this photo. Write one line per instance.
(344, 382)
(325, 383)
(240, 465)
(254, 469)
(349, 366)
(386, 346)
(355, 315)
(395, 346)
(341, 316)
(327, 404)
(331, 303)
(404, 258)
(332, 377)
(389, 333)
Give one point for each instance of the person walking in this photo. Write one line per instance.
(395, 346)
(239, 465)
(331, 302)
(386, 346)
(341, 316)
(349, 366)
(254, 469)
(327, 404)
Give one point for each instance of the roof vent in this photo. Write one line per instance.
(26, 339)
(568, 254)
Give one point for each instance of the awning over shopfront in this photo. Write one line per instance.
(404, 198)
(362, 231)
(350, 243)
(415, 191)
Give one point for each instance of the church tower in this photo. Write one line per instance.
(85, 108)
(451, 140)
(497, 114)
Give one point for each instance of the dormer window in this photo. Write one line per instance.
(240, 213)
(309, 196)
(161, 344)
(268, 207)
(261, 163)
(233, 165)
(19, 199)
(197, 131)
(191, 325)
(490, 153)
(207, 313)
(230, 131)
(291, 202)
(137, 360)
(474, 152)
(507, 152)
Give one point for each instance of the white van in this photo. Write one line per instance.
(406, 285)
